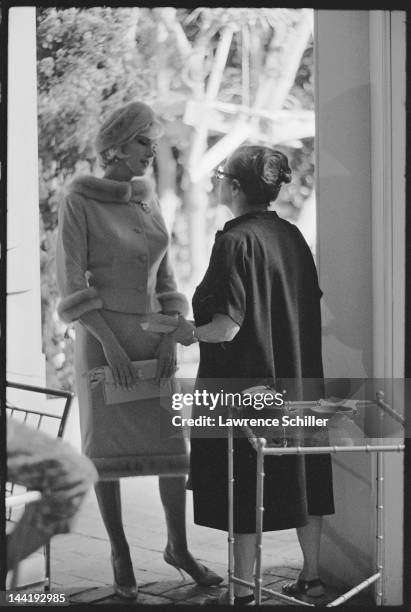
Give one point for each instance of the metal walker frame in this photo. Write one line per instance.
(260, 446)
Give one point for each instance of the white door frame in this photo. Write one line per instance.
(387, 97)
(360, 144)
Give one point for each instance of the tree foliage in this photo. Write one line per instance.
(92, 60)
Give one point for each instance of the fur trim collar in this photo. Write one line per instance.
(108, 190)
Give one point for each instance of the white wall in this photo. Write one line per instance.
(25, 361)
(344, 261)
(345, 210)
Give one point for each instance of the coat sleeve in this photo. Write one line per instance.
(71, 259)
(166, 289)
(227, 271)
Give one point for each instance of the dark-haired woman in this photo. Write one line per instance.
(257, 317)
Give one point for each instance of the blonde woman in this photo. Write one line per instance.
(113, 270)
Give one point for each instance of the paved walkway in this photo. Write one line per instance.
(81, 560)
(81, 566)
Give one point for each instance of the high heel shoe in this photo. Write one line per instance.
(203, 576)
(125, 591)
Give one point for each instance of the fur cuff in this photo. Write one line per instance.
(173, 301)
(75, 305)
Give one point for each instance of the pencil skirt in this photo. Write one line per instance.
(128, 438)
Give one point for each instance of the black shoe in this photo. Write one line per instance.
(307, 588)
(223, 600)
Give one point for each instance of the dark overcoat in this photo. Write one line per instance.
(262, 275)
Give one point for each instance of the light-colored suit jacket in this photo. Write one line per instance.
(112, 253)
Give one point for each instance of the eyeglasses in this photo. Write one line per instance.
(220, 174)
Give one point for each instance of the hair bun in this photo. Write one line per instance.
(276, 169)
(261, 171)
(285, 176)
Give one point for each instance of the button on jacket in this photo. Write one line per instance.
(112, 252)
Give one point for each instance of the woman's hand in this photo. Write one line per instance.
(167, 357)
(121, 366)
(184, 332)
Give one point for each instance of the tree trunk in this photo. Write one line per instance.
(196, 203)
(166, 183)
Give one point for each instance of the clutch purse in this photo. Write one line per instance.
(145, 388)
